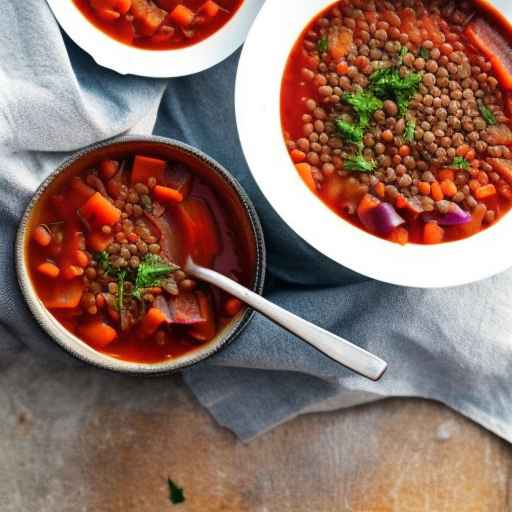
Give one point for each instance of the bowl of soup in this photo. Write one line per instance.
(388, 129)
(102, 244)
(157, 38)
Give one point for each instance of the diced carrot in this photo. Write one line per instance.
(446, 174)
(97, 333)
(433, 233)
(233, 306)
(380, 189)
(153, 319)
(49, 270)
(42, 236)
(340, 43)
(297, 155)
(449, 188)
(399, 235)
(145, 167)
(424, 188)
(98, 241)
(204, 331)
(436, 191)
(505, 191)
(342, 68)
(462, 150)
(485, 192)
(71, 271)
(367, 203)
(503, 168)
(474, 185)
(167, 194)
(100, 211)
(483, 178)
(470, 155)
(474, 225)
(108, 168)
(304, 170)
(81, 258)
(210, 8)
(147, 16)
(67, 296)
(182, 15)
(401, 201)
(499, 134)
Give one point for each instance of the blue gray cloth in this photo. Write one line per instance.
(452, 345)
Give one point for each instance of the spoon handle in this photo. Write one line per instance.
(333, 346)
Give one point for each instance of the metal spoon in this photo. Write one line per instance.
(333, 346)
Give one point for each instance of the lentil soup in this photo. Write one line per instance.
(107, 243)
(396, 114)
(159, 24)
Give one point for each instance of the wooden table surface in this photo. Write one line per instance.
(82, 440)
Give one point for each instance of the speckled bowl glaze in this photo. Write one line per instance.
(218, 177)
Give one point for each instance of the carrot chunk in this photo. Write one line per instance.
(81, 258)
(433, 233)
(153, 319)
(485, 192)
(108, 169)
(66, 296)
(167, 194)
(97, 333)
(210, 8)
(436, 191)
(182, 15)
(399, 235)
(100, 211)
(304, 169)
(145, 167)
(42, 236)
(98, 241)
(380, 189)
(71, 271)
(449, 188)
(49, 270)
(424, 188)
(503, 167)
(446, 174)
(297, 155)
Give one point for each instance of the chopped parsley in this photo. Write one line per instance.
(410, 131)
(365, 104)
(403, 52)
(121, 277)
(358, 163)
(387, 83)
(459, 162)
(176, 495)
(150, 273)
(424, 53)
(486, 113)
(350, 132)
(322, 44)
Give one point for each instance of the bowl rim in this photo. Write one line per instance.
(126, 59)
(78, 348)
(258, 109)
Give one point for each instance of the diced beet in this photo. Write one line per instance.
(185, 309)
(205, 330)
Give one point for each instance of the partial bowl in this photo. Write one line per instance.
(129, 60)
(221, 181)
(259, 124)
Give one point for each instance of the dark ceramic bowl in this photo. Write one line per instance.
(235, 200)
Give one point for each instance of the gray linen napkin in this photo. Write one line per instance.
(449, 345)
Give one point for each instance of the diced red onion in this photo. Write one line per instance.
(382, 219)
(454, 217)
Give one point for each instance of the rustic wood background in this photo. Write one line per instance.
(81, 440)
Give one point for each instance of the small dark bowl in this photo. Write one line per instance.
(235, 200)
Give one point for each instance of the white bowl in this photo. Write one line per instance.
(125, 59)
(259, 125)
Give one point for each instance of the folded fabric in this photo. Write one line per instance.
(450, 345)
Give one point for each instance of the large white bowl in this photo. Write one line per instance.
(124, 59)
(258, 87)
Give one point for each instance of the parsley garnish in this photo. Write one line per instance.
(387, 83)
(424, 53)
(176, 495)
(322, 44)
(486, 113)
(459, 162)
(365, 105)
(410, 131)
(358, 163)
(150, 273)
(350, 132)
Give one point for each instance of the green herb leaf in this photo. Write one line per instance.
(120, 289)
(424, 53)
(486, 113)
(403, 52)
(410, 131)
(176, 495)
(459, 162)
(350, 132)
(322, 44)
(387, 83)
(365, 105)
(358, 163)
(151, 272)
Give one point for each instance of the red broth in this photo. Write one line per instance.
(127, 223)
(159, 24)
(444, 163)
